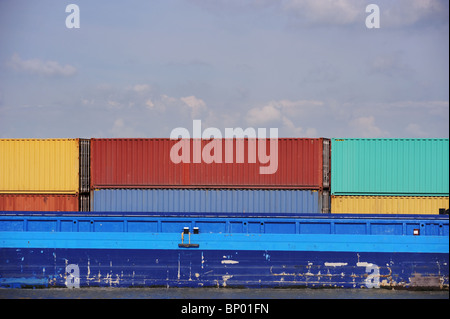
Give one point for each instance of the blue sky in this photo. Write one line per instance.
(310, 68)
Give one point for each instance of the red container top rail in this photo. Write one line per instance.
(147, 163)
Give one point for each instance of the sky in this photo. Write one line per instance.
(310, 68)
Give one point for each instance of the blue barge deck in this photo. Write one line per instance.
(49, 249)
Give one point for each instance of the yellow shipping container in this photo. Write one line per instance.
(39, 166)
(388, 204)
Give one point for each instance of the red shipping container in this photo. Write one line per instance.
(301, 163)
(38, 202)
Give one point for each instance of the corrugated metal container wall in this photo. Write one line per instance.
(84, 171)
(136, 163)
(388, 204)
(84, 203)
(39, 166)
(206, 200)
(38, 202)
(401, 167)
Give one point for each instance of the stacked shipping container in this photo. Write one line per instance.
(286, 201)
(138, 175)
(39, 202)
(381, 176)
(390, 176)
(43, 175)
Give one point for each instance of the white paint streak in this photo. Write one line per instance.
(327, 264)
(88, 277)
(363, 264)
(203, 260)
(225, 278)
(229, 261)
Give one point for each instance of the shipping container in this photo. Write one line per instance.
(388, 204)
(391, 167)
(229, 201)
(239, 163)
(39, 166)
(39, 202)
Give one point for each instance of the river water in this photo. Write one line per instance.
(216, 293)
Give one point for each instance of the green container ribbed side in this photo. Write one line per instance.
(391, 167)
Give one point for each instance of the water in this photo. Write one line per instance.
(216, 293)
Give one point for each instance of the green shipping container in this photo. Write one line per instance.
(393, 167)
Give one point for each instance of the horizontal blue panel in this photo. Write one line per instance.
(308, 234)
(272, 242)
(260, 225)
(207, 201)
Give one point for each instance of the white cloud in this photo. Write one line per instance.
(197, 105)
(297, 108)
(233, 6)
(288, 115)
(149, 104)
(141, 88)
(311, 132)
(408, 12)
(260, 116)
(416, 130)
(120, 129)
(118, 123)
(113, 104)
(142, 97)
(426, 108)
(276, 110)
(365, 127)
(391, 64)
(168, 99)
(431, 105)
(297, 131)
(328, 12)
(37, 66)
(399, 13)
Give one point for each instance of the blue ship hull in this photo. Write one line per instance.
(51, 250)
(220, 268)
